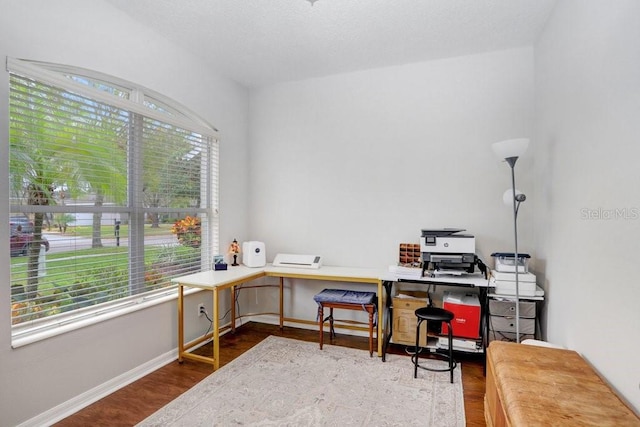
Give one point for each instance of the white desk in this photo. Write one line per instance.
(215, 281)
(477, 280)
(220, 280)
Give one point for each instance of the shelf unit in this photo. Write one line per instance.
(502, 317)
(405, 321)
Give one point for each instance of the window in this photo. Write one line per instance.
(117, 187)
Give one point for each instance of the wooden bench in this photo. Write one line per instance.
(347, 300)
(539, 386)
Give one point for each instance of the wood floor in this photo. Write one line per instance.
(135, 402)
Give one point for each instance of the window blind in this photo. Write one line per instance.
(118, 186)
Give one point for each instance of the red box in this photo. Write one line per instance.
(466, 311)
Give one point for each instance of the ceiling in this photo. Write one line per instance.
(262, 42)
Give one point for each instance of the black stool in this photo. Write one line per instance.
(440, 315)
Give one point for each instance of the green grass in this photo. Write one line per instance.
(68, 260)
(100, 257)
(108, 231)
(95, 275)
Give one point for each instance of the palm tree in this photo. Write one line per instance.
(32, 167)
(54, 138)
(98, 162)
(164, 183)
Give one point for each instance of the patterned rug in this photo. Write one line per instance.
(285, 382)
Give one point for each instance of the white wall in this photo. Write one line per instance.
(586, 163)
(349, 166)
(94, 35)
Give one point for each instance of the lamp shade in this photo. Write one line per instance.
(510, 147)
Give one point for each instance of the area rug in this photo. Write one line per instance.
(285, 382)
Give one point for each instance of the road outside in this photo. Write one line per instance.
(63, 243)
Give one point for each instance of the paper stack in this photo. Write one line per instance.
(505, 283)
(403, 272)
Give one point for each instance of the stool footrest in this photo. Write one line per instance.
(445, 357)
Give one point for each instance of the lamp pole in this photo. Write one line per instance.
(512, 163)
(510, 150)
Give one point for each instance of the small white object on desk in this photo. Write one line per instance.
(254, 254)
(297, 261)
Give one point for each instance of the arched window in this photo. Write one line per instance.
(115, 188)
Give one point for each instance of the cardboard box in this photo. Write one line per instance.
(466, 311)
(409, 295)
(404, 318)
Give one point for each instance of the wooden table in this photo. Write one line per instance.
(222, 280)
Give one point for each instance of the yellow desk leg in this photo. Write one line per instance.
(281, 303)
(216, 330)
(180, 322)
(233, 308)
(380, 316)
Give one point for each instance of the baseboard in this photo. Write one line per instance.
(71, 406)
(85, 399)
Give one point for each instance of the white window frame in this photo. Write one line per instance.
(177, 115)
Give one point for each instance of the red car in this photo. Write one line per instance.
(20, 243)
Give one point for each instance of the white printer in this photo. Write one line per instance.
(446, 249)
(254, 254)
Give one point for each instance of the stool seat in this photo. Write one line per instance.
(347, 300)
(440, 315)
(345, 296)
(434, 314)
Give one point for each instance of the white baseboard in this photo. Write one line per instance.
(72, 406)
(85, 399)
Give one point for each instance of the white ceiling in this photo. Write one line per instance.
(261, 42)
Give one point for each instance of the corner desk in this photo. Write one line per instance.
(222, 280)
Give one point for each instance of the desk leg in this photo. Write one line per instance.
(234, 295)
(180, 322)
(388, 324)
(380, 331)
(281, 303)
(216, 330)
(484, 326)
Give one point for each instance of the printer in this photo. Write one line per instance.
(447, 249)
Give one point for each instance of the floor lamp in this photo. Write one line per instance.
(510, 150)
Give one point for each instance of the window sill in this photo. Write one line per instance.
(39, 330)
